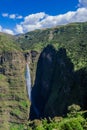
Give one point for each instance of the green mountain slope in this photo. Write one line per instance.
(13, 95)
(73, 37)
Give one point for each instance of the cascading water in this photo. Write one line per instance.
(28, 81)
(28, 85)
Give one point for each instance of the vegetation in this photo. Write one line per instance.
(73, 37)
(14, 105)
(7, 43)
(71, 122)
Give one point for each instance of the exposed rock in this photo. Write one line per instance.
(44, 75)
(12, 89)
(57, 85)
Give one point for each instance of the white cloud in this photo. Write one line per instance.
(5, 30)
(34, 18)
(82, 3)
(0, 28)
(12, 16)
(8, 31)
(5, 14)
(19, 17)
(19, 29)
(42, 20)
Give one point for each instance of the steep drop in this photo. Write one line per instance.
(57, 84)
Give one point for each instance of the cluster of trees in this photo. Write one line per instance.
(75, 120)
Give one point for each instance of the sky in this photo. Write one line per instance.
(21, 16)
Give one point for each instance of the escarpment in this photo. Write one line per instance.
(57, 85)
(13, 95)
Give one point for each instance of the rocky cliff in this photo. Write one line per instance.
(57, 85)
(13, 95)
(14, 106)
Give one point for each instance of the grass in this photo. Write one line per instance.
(14, 126)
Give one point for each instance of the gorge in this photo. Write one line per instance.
(57, 69)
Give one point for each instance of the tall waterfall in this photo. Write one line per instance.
(28, 85)
(28, 81)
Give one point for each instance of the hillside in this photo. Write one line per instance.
(13, 95)
(73, 37)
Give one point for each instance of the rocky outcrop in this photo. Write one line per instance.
(57, 85)
(31, 57)
(44, 74)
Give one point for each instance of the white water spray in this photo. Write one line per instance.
(28, 85)
(28, 81)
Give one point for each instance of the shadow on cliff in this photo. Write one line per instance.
(57, 85)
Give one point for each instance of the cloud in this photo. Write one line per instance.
(42, 20)
(31, 22)
(12, 16)
(82, 3)
(19, 29)
(5, 30)
(5, 14)
(0, 28)
(19, 17)
(8, 31)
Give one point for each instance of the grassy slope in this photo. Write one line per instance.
(73, 37)
(13, 97)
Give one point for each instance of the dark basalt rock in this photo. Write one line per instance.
(44, 74)
(57, 85)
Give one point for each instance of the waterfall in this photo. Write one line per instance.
(28, 81)
(28, 85)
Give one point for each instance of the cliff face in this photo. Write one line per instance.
(13, 95)
(57, 85)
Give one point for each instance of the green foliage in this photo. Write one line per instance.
(73, 124)
(14, 126)
(60, 123)
(73, 110)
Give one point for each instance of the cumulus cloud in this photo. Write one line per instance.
(5, 30)
(12, 16)
(42, 20)
(19, 29)
(82, 3)
(31, 22)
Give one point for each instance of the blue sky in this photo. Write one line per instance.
(21, 16)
